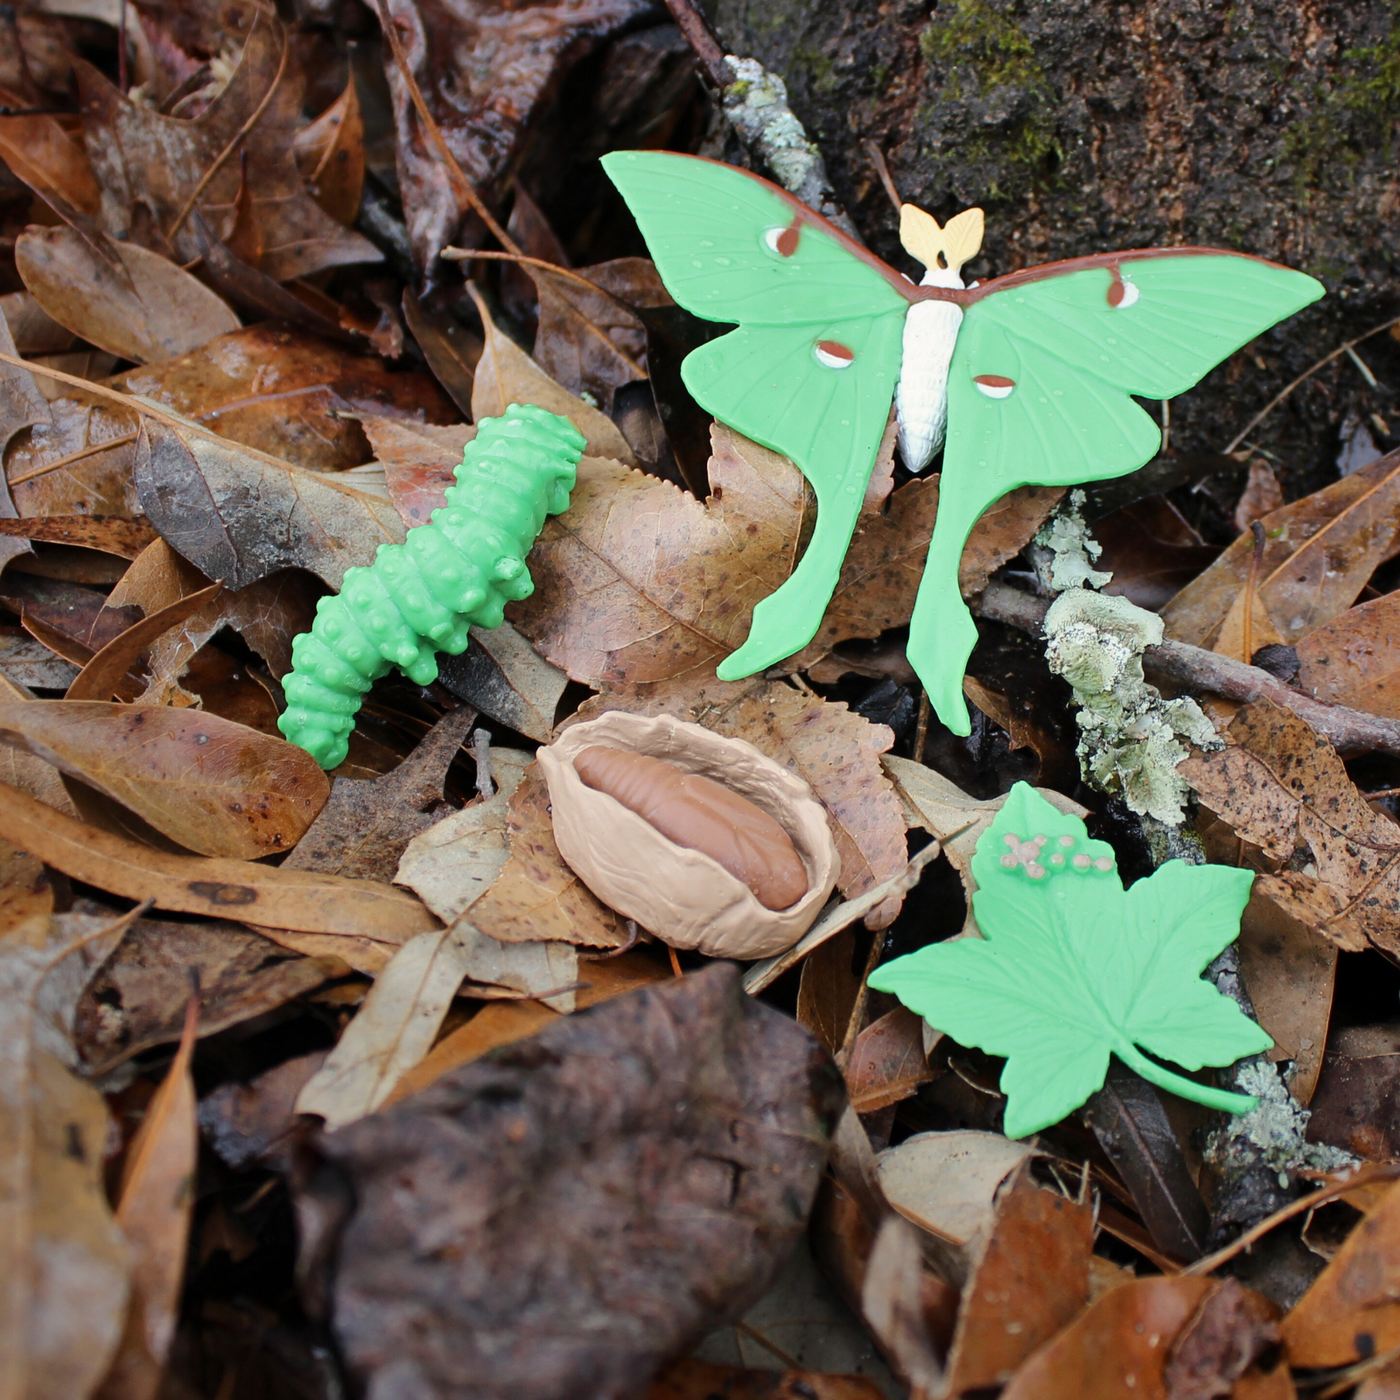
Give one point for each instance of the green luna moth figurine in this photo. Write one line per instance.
(1027, 378)
(1073, 968)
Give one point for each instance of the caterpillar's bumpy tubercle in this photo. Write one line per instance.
(419, 597)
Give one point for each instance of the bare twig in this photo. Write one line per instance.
(233, 145)
(1211, 672)
(703, 44)
(481, 752)
(1307, 374)
(455, 173)
(886, 179)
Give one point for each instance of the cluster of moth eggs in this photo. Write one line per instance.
(1028, 855)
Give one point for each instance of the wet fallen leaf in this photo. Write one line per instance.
(292, 395)
(828, 990)
(1151, 551)
(1355, 659)
(1319, 553)
(32, 329)
(419, 461)
(281, 899)
(50, 161)
(249, 1123)
(157, 1199)
(138, 998)
(155, 169)
(1356, 1105)
(451, 350)
(456, 860)
(1133, 1129)
(239, 515)
(505, 678)
(215, 787)
(485, 124)
(1030, 1280)
(1231, 1329)
(144, 308)
(126, 536)
(1283, 788)
(536, 897)
(25, 889)
(330, 154)
(364, 826)
(720, 1189)
(63, 1260)
(1350, 1313)
(22, 407)
(836, 752)
(505, 374)
(639, 582)
(892, 1302)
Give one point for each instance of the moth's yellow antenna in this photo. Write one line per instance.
(948, 247)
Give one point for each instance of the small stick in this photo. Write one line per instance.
(481, 752)
(91, 450)
(1166, 426)
(675, 962)
(921, 727)
(703, 43)
(883, 171)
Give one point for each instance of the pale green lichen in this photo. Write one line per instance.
(1273, 1133)
(757, 104)
(1130, 737)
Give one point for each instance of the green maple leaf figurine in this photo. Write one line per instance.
(1073, 968)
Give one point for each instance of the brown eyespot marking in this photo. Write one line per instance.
(1121, 293)
(995, 386)
(784, 241)
(833, 354)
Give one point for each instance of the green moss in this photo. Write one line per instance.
(820, 68)
(976, 39)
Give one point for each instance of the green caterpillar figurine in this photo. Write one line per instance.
(419, 597)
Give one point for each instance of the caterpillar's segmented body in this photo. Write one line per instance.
(419, 598)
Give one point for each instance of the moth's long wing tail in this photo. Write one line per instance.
(785, 621)
(942, 633)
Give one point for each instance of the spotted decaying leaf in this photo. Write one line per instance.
(1282, 787)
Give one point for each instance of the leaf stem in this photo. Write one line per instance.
(1150, 1070)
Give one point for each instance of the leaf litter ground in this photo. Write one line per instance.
(316, 1084)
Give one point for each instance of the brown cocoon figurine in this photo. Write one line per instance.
(698, 812)
(686, 896)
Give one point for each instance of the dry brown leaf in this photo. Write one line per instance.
(330, 154)
(1290, 973)
(889, 1061)
(290, 394)
(536, 897)
(364, 826)
(1282, 787)
(157, 1199)
(239, 515)
(1355, 660)
(63, 1268)
(145, 308)
(96, 443)
(22, 407)
(639, 582)
(1319, 554)
(419, 461)
(50, 161)
(1262, 496)
(504, 1022)
(704, 1380)
(281, 899)
(151, 166)
(137, 999)
(213, 786)
(454, 862)
(505, 375)
(1350, 1312)
(451, 350)
(24, 887)
(125, 536)
(836, 752)
(1031, 1279)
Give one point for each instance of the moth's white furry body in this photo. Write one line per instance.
(921, 397)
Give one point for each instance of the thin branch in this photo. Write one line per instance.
(455, 173)
(1211, 672)
(886, 179)
(91, 450)
(233, 144)
(703, 43)
(1307, 374)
